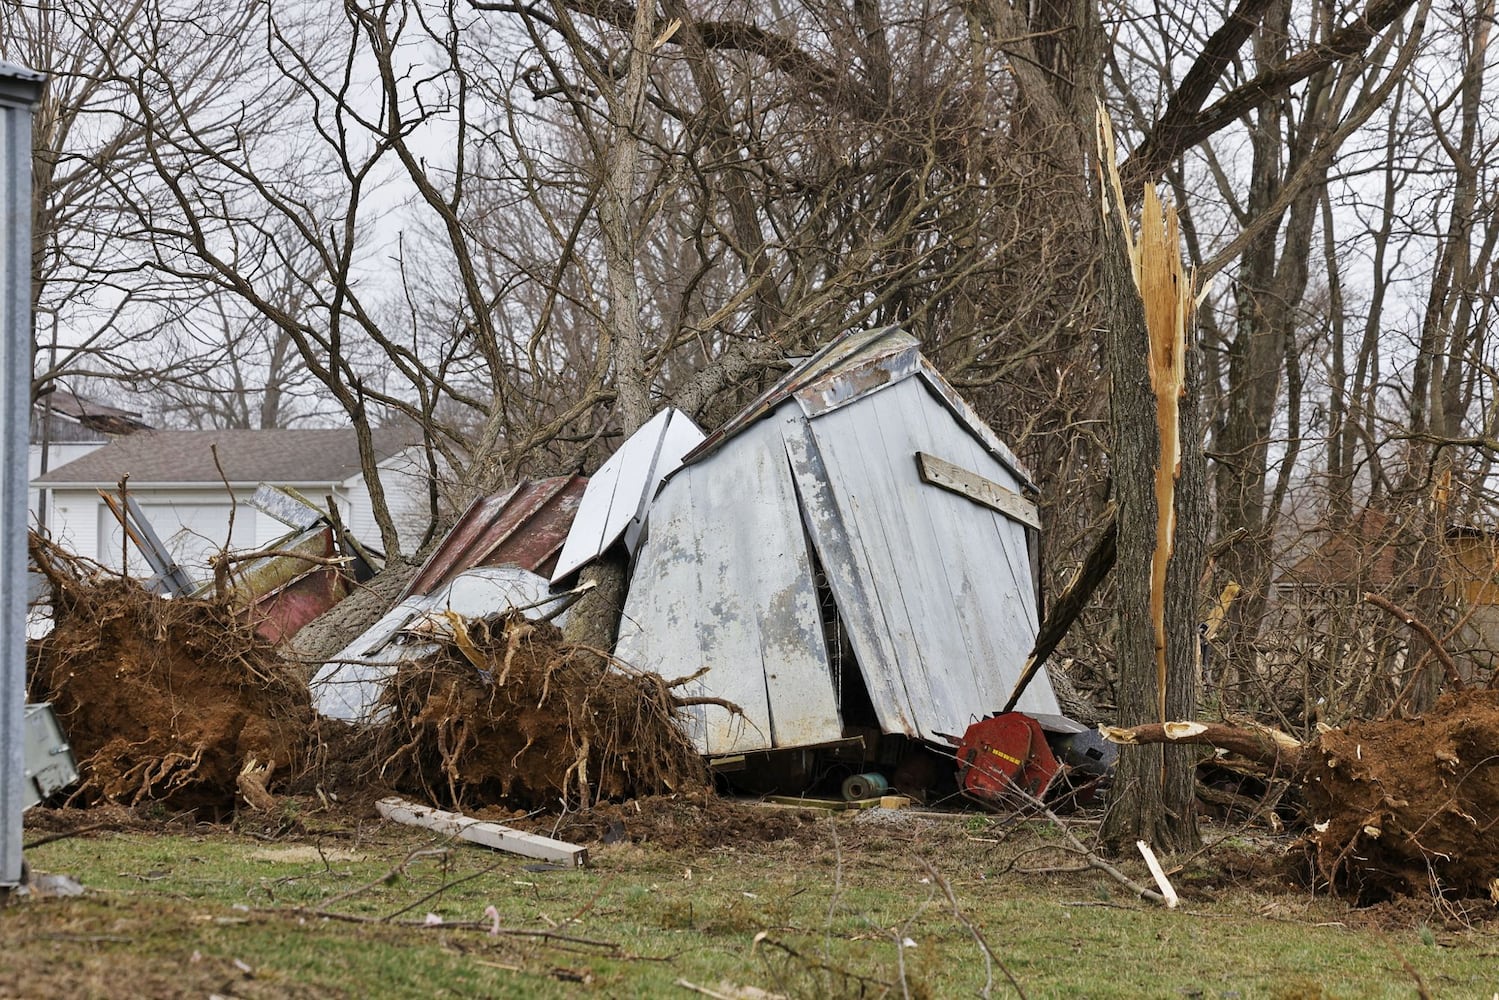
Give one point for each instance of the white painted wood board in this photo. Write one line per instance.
(501, 838)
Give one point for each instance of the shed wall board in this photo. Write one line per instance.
(950, 579)
(858, 607)
(725, 581)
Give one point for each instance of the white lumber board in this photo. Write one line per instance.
(475, 831)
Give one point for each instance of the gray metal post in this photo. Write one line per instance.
(20, 89)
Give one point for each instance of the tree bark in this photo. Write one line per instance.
(1153, 785)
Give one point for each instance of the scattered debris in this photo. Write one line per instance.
(501, 838)
(524, 526)
(326, 635)
(831, 805)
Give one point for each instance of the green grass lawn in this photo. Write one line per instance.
(848, 907)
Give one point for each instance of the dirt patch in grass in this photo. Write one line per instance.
(507, 712)
(692, 821)
(1409, 807)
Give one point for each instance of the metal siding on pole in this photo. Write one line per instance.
(19, 90)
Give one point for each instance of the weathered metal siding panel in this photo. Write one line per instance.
(724, 581)
(524, 527)
(620, 492)
(682, 435)
(950, 581)
(863, 616)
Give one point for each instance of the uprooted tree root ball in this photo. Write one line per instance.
(508, 711)
(1409, 806)
(163, 700)
(1393, 808)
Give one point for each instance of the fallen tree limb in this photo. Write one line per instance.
(1067, 607)
(1258, 743)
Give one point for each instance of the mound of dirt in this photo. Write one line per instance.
(507, 711)
(1409, 806)
(164, 700)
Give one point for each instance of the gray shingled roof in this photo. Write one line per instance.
(283, 457)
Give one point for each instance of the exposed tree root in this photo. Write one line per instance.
(1391, 808)
(512, 713)
(162, 700)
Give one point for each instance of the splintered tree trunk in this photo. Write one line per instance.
(1153, 793)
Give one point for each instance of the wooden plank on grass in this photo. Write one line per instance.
(501, 838)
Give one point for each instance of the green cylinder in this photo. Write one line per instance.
(865, 786)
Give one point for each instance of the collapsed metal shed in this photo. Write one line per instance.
(853, 549)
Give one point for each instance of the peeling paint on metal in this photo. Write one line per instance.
(725, 582)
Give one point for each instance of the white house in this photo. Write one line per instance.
(181, 488)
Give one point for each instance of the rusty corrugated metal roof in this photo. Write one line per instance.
(524, 527)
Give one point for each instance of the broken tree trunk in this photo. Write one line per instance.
(594, 621)
(1159, 478)
(1392, 808)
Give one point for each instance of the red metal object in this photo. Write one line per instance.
(278, 616)
(284, 593)
(1005, 752)
(524, 527)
